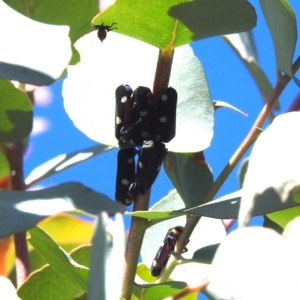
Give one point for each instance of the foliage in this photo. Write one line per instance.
(147, 48)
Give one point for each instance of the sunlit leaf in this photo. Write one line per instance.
(268, 170)
(33, 289)
(153, 25)
(20, 210)
(281, 21)
(4, 165)
(76, 14)
(7, 289)
(59, 260)
(16, 114)
(255, 250)
(63, 162)
(44, 54)
(89, 90)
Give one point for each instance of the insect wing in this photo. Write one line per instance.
(126, 188)
(150, 159)
(123, 111)
(166, 114)
(141, 115)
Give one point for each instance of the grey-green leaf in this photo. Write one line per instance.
(208, 18)
(107, 254)
(281, 21)
(246, 51)
(268, 170)
(63, 162)
(190, 175)
(20, 210)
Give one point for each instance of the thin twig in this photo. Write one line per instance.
(15, 158)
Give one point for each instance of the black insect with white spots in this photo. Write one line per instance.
(103, 29)
(164, 252)
(144, 121)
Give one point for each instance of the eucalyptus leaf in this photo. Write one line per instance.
(76, 14)
(206, 18)
(280, 176)
(281, 21)
(191, 176)
(186, 22)
(7, 289)
(205, 254)
(56, 284)
(61, 262)
(227, 207)
(16, 115)
(63, 162)
(255, 250)
(89, 90)
(107, 253)
(4, 165)
(44, 54)
(20, 210)
(243, 45)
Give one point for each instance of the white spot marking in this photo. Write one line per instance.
(163, 120)
(125, 181)
(143, 113)
(140, 165)
(130, 160)
(118, 120)
(164, 97)
(124, 99)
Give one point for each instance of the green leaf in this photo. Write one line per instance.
(163, 290)
(4, 165)
(47, 284)
(20, 210)
(245, 52)
(89, 91)
(60, 261)
(63, 162)
(76, 14)
(190, 175)
(207, 18)
(281, 21)
(107, 259)
(267, 171)
(153, 25)
(16, 114)
(44, 53)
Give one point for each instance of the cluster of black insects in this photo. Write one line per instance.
(144, 121)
